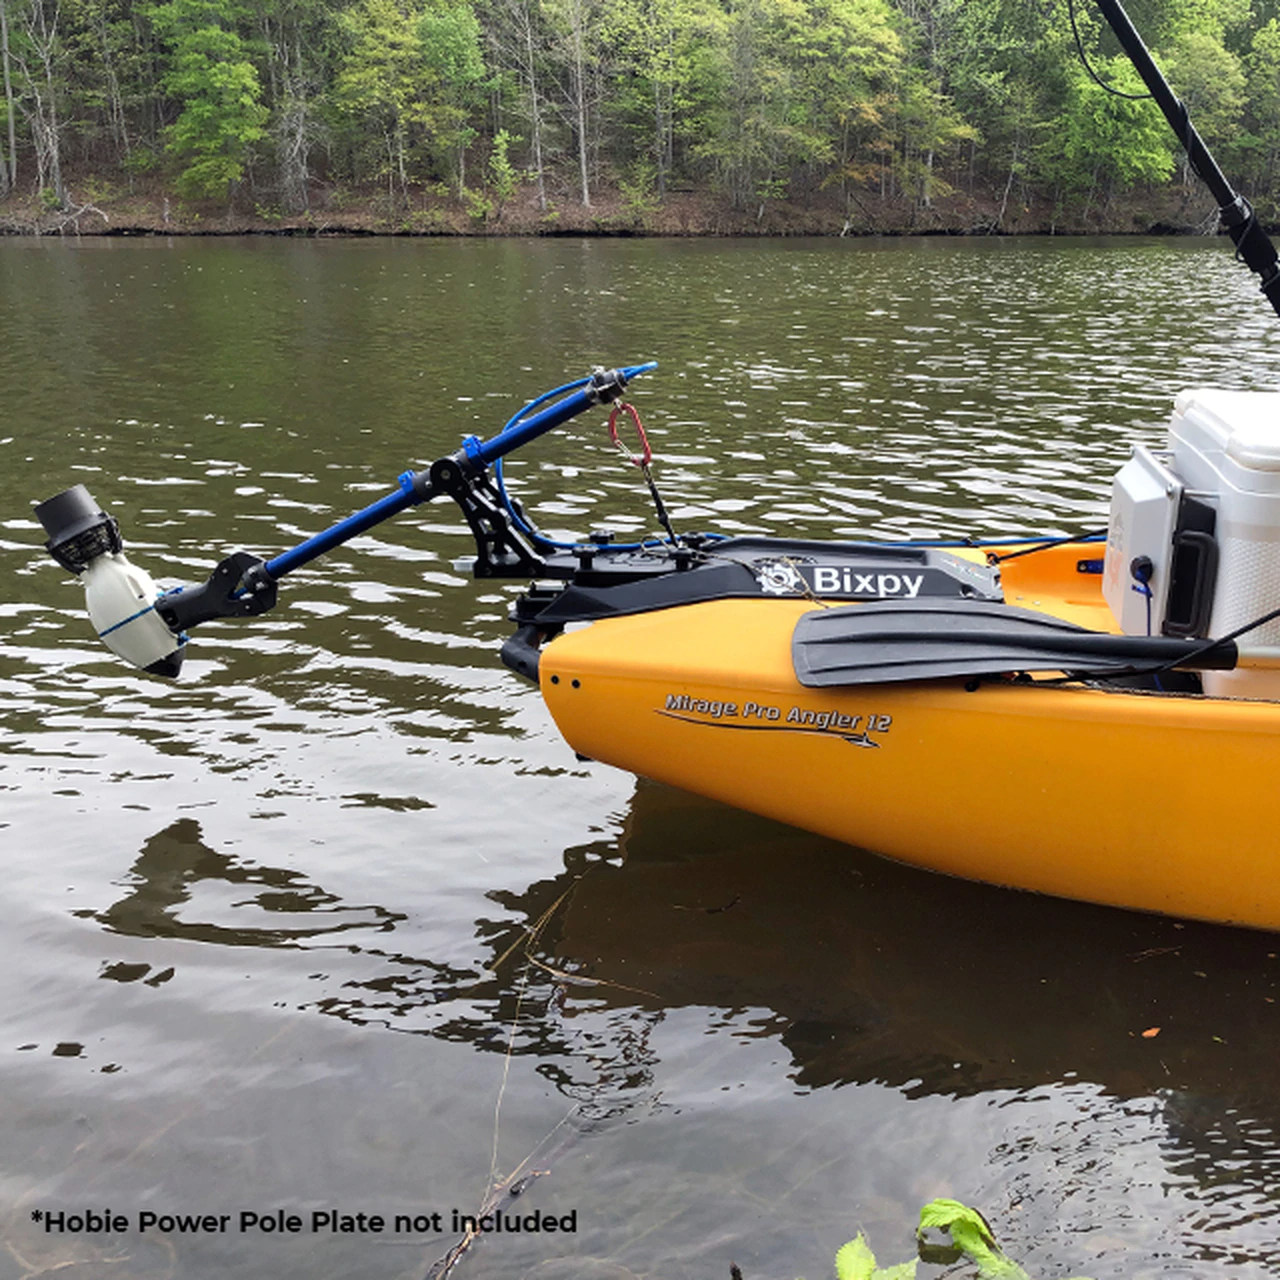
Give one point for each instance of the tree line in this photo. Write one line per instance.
(753, 100)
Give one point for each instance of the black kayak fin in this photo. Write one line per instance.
(889, 641)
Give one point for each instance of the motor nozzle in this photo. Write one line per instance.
(119, 596)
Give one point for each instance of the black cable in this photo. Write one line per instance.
(1084, 62)
(1075, 677)
(1093, 536)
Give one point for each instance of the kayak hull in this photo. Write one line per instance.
(1141, 800)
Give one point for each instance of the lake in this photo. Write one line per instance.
(337, 925)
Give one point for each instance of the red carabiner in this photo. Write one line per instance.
(640, 460)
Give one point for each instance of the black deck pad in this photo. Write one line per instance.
(773, 568)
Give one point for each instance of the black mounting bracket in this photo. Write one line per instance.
(502, 551)
(238, 588)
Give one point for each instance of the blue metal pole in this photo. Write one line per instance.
(344, 530)
(479, 454)
(483, 453)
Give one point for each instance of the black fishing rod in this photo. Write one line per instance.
(1253, 245)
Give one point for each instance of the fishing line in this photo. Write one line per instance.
(500, 1192)
(1231, 635)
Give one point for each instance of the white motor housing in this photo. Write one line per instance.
(1206, 519)
(120, 599)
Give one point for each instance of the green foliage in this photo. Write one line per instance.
(212, 76)
(764, 100)
(855, 1261)
(637, 189)
(971, 1240)
(503, 176)
(141, 160)
(971, 1234)
(376, 89)
(455, 79)
(479, 206)
(767, 121)
(426, 222)
(1210, 81)
(406, 86)
(1102, 138)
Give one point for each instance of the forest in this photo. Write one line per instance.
(439, 115)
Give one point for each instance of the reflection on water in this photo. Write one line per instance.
(176, 866)
(727, 1040)
(866, 974)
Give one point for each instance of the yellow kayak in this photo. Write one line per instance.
(1073, 718)
(1141, 799)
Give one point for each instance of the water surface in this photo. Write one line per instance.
(287, 935)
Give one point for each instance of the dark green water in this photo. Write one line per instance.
(264, 931)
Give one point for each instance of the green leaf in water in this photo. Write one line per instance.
(969, 1231)
(903, 1271)
(855, 1261)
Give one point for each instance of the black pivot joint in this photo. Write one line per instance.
(607, 385)
(239, 587)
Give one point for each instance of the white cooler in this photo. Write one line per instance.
(1225, 448)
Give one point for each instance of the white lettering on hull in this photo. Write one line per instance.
(829, 580)
(720, 713)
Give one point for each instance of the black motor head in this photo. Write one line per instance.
(79, 530)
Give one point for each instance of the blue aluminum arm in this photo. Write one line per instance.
(407, 495)
(242, 585)
(475, 455)
(600, 388)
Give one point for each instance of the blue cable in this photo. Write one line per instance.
(1144, 590)
(551, 544)
(541, 541)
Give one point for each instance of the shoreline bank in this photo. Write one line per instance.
(98, 207)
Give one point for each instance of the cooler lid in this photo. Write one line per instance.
(1245, 425)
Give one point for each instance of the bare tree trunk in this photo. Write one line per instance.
(1008, 186)
(535, 110)
(402, 169)
(8, 95)
(43, 117)
(579, 82)
(115, 102)
(293, 135)
(515, 46)
(291, 150)
(660, 139)
(664, 111)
